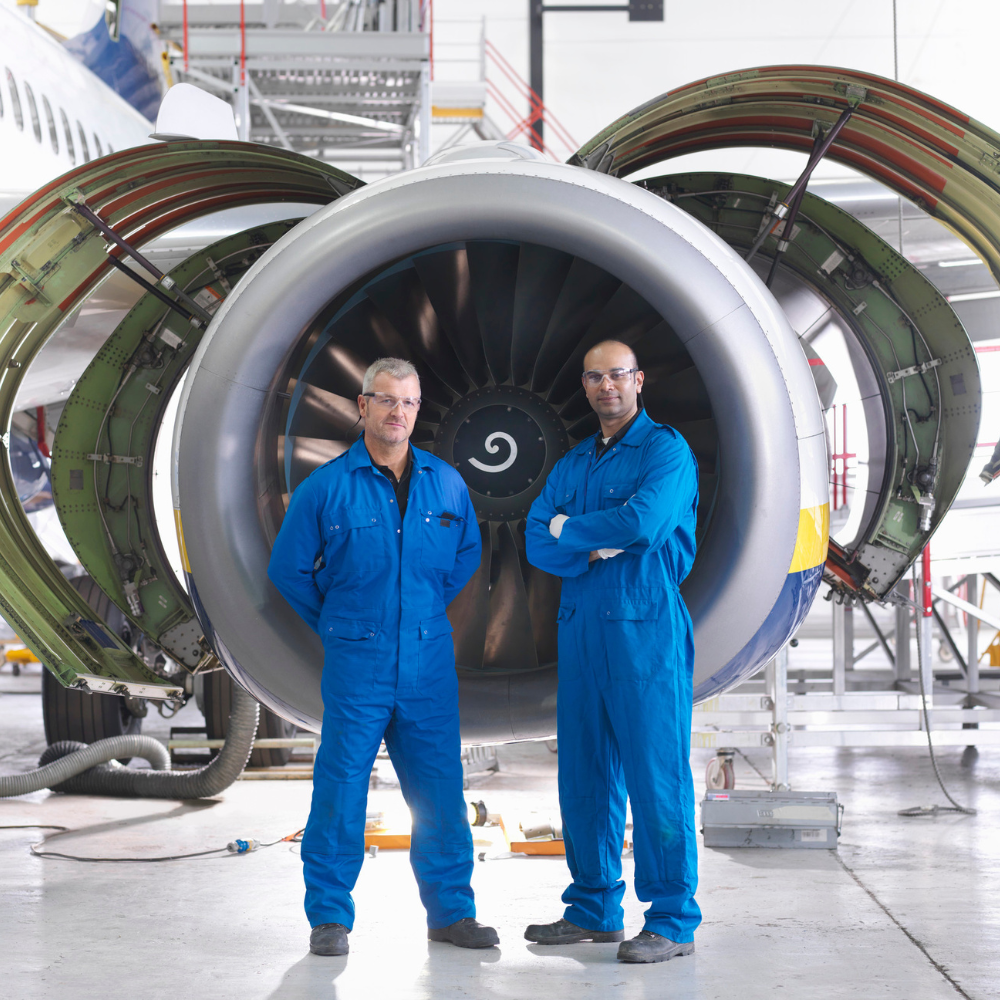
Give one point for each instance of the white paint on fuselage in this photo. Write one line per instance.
(66, 97)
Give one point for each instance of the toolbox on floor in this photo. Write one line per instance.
(757, 818)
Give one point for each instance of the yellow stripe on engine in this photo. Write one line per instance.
(813, 538)
(184, 551)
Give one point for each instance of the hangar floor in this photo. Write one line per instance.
(908, 908)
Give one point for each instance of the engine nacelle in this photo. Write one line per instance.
(494, 275)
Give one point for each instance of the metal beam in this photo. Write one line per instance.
(536, 65)
(268, 113)
(337, 116)
(952, 645)
(970, 609)
(972, 640)
(883, 642)
(391, 46)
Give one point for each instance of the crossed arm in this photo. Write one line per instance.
(667, 489)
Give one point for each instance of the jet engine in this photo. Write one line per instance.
(495, 274)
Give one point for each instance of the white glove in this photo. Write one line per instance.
(556, 524)
(609, 553)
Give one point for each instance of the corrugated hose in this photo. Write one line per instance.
(79, 769)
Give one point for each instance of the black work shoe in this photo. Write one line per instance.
(466, 933)
(563, 932)
(329, 939)
(649, 947)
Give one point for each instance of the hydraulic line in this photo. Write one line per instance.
(79, 769)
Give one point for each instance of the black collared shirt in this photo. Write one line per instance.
(602, 446)
(401, 486)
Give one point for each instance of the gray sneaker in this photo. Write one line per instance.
(563, 932)
(649, 947)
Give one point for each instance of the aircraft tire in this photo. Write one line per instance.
(69, 714)
(217, 702)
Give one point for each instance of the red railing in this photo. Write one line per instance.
(427, 24)
(537, 111)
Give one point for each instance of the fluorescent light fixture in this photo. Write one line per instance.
(964, 262)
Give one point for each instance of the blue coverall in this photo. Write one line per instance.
(375, 587)
(626, 654)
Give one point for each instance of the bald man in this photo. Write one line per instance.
(616, 520)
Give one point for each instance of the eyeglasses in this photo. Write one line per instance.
(615, 374)
(410, 404)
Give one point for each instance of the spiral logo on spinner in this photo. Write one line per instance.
(493, 449)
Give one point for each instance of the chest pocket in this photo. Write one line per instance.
(355, 538)
(566, 503)
(440, 535)
(615, 494)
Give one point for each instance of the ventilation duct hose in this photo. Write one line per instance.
(79, 769)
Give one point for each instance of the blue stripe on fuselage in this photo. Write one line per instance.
(129, 66)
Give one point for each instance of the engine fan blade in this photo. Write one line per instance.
(469, 611)
(702, 437)
(543, 606)
(448, 283)
(308, 454)
(626, 316)
(540, 276)
(339, 367)
(493, 269)
(584, 427)
(678, 397)
(367, 333)
(322, 414)
(401, 297)
(707, 483)
(510, 643)
(584, 294)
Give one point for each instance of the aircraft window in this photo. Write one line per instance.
(15, 101)
(84, 148)
(68, 133)
(36, 125)
(97, 145)
(51, 122)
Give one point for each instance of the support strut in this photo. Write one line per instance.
(784, 210)
(198, 316)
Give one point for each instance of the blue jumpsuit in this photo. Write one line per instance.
(625, 662)
(375, 588)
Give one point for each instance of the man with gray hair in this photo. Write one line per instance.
(373, 548)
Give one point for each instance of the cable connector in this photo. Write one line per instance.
(243, 846)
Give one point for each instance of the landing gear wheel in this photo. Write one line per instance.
(720, 773)
(70, 714)
(217, 701)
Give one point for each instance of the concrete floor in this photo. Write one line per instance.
(907, 908)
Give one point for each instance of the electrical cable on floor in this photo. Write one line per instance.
(929, 810)
(760, 773)
(238, 846)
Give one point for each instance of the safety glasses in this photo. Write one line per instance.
(410, 404)
(619, 375)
